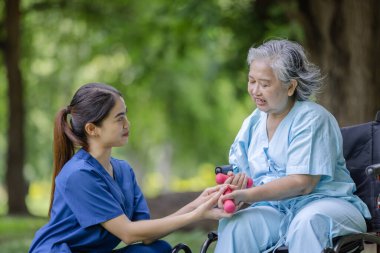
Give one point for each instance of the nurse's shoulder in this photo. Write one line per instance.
(75, 167)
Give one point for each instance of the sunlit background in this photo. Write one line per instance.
(181, 66)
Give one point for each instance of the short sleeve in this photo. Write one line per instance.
(90, 199)
(313, 145)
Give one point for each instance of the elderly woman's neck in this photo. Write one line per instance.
(278, 116)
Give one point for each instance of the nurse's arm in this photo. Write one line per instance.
(147, 231)
(286, 187)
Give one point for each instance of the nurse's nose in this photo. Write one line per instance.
(126, 123)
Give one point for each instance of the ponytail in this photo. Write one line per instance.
(63, 147)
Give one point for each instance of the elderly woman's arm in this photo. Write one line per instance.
(286, 187)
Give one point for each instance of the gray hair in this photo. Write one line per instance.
(289, 62)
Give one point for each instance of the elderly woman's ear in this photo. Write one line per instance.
(292, 87)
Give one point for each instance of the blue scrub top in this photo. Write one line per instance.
(85, 196)
(307, 141)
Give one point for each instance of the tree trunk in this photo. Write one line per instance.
(343, 37)
(16, 185)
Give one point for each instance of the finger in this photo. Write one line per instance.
(239, 205)
(240, 182)
(227, 196)
(220, 213)
(229, 180)
(213, 200)
(216, 188)
(245, 182)
(231, 186)
(213, 189)
(220, 203)
(218, 191)
(236, 179)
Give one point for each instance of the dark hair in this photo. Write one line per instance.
(90, 104)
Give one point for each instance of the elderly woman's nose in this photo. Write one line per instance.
(255, 90)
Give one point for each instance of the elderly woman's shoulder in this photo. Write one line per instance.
(313, 110)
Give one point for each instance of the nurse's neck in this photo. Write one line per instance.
(103, 156)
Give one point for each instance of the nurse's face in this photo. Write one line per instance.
(114, 129)
(269, 94)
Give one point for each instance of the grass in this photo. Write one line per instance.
(16, 234)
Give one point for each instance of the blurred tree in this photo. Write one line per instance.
(181, 65)
(15, 181)
(343, 38)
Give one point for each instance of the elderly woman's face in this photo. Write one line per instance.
(269, 94)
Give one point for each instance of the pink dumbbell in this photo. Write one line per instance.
(228, 204)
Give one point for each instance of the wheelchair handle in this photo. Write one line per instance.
(373, 170)
(224, 169)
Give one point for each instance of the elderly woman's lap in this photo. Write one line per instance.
(253, 229)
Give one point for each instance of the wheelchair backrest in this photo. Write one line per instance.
(361, 148)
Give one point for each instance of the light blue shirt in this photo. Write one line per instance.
(307, 141)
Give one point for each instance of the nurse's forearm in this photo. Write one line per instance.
(147, 230)
(187, 208)
(151, 230)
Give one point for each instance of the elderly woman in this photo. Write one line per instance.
(292, 148)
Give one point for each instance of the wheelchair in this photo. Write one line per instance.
(361, 148)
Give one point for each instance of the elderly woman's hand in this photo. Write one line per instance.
(240, 180)
(237, 196)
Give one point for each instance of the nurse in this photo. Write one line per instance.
(292, 148)
(95, 200)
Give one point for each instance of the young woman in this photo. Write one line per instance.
(95, 201)
(292, 149)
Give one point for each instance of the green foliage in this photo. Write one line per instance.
(180, 65)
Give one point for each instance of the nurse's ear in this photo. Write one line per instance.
(292, 87)
(91, 129)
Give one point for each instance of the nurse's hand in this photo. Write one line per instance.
(208, 209)
(204, 196)
(240, 180)
(201, 199)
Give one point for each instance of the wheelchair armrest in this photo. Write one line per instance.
(373, 170)
(181, 246)
(347, 239)
(211, 237)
